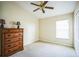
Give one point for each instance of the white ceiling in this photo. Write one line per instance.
(60, 7)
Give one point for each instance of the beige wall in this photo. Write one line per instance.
(48, 29)
(12, 12)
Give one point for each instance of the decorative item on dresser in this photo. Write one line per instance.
(11, 41)
(2, 22)
(18, 24)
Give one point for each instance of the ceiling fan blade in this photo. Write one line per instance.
(36, 9)
(34, 4)
(49, 7)
(43, 11)
(45, 2)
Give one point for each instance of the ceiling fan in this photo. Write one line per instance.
(42, 6)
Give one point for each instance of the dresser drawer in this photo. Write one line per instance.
(12, 35)
(8, 51)
(12, 45)
(19, 34)
(9, 41)
(12, 50)
(8, 35)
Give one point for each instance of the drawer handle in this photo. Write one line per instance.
(9, 45)
(19, 34)
(9, 35)
(19, 38)
(9, 40)
(9, 50)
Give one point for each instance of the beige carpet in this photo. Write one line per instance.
(40, 49)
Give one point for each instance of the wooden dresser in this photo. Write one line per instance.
(11, 41)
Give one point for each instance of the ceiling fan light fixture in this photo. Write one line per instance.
(42, 6)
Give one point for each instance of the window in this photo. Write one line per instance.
(62, 29)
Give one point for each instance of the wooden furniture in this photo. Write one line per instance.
(11, 41)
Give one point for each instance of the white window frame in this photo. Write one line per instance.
(62, 29)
